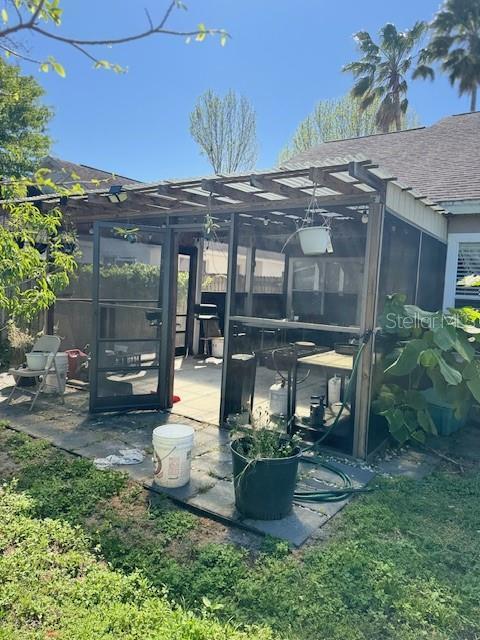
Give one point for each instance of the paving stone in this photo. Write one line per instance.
(137, 438)
(142, 472)
(411, 464)
(102, 449)
(210, 465)
(327, 509)
(74, 440)
(203, 443)
(295, 528)
(219, 499)
(199, 483)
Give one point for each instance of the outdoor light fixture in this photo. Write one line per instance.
(116, 194)
(365, 218)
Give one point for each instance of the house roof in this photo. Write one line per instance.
(441, 161)
(67, 173)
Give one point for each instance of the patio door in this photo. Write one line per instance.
(130, 354)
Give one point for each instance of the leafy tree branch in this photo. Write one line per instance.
(37, 16)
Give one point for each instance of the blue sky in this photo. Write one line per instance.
(284, 55)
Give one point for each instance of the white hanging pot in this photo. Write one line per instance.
(315, 240)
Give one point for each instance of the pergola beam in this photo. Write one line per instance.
(225, 190)
(268, 184)
(260, 208)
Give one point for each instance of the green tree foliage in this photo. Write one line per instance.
(225, 130)
(34, 265)
(339, 119)
(382, 71)
(23, 122)
(455, 45)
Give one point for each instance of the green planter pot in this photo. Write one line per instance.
(264, 488)
(442, 414)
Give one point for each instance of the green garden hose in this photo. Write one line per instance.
(333, 495)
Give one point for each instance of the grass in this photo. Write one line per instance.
(402, 564)
(53, 586)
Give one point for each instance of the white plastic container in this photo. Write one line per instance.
(37, 360)
(172, 454)
(334, 387)
(315, 240)
(51, 383)
(217, 347)
(278, 399)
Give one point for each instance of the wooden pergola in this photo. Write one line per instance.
(344, 188)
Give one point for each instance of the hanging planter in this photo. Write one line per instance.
(315, 240)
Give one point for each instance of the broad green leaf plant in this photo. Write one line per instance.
(424, 350)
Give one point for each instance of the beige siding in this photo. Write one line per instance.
(405, 205)
(464, 224)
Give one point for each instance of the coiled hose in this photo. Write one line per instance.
(333, 495)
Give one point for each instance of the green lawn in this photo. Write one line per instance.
(403, 563)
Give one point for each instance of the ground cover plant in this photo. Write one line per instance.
(402, 563)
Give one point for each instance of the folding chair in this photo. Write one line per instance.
(45, 344)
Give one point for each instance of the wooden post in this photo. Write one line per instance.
(376, 214)
(229, 299)
(168, 301)
(249, 275)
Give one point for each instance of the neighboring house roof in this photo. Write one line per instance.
(441, 161)
(68, 173)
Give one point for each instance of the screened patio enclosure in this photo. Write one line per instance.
(290, 320)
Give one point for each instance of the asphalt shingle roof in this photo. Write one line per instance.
(61, 172)
(441, 161)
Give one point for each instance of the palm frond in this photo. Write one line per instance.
(359, 68)
(416, 32)
(390, 36)
(363, 85)
(423, 71)
(365, 43)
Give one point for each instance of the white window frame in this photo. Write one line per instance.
(454, 240)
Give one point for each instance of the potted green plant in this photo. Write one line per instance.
(265, 465)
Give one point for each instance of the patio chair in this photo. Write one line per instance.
(45, 344)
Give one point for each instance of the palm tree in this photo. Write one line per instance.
(455, 44)
(382, 71)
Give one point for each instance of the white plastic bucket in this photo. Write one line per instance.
(37, 360)
(217, 347)
(315, 240)
(51, 383)
(278, 399)
(172, 454)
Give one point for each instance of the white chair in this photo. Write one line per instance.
(45, 344)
